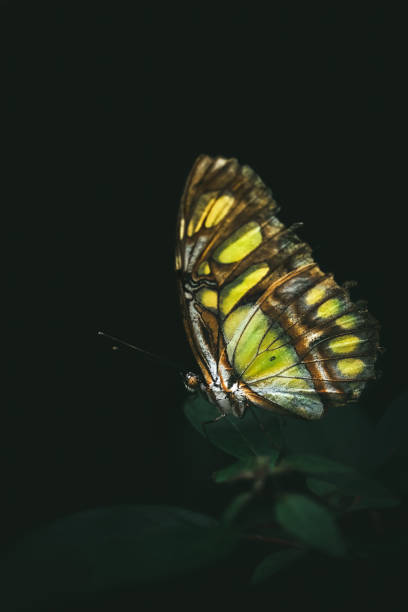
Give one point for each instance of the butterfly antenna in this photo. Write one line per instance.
(157, 358)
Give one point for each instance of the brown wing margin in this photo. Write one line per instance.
(221, 176)
(292, 274)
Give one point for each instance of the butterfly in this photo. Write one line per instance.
(267, 327)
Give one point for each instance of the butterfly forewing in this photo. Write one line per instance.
(257, 309)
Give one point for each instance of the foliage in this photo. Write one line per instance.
(295, 486)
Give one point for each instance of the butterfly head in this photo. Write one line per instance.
(192, 382)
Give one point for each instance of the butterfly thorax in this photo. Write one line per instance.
(228, 399)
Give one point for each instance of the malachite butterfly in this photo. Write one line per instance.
(266, 325)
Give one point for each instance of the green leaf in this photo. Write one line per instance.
(111, 548)
(369, 492)
(252, 468)
(311, 523)
(394, 473)
(343, 434)
(235, 507)
(320, 487)
(391, 434)
(240, 438)
(315, 464)
(274, 562)
(374, 503)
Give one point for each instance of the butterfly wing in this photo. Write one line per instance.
(255, 303)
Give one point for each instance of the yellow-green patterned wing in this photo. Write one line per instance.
(266, 325)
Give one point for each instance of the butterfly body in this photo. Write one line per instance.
(266, 325)
(228, 399)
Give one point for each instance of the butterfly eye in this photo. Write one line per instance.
(191, 381)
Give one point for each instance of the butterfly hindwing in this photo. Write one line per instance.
(255, 302)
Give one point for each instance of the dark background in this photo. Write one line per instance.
(107, 107)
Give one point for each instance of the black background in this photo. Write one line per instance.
(107, 107)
